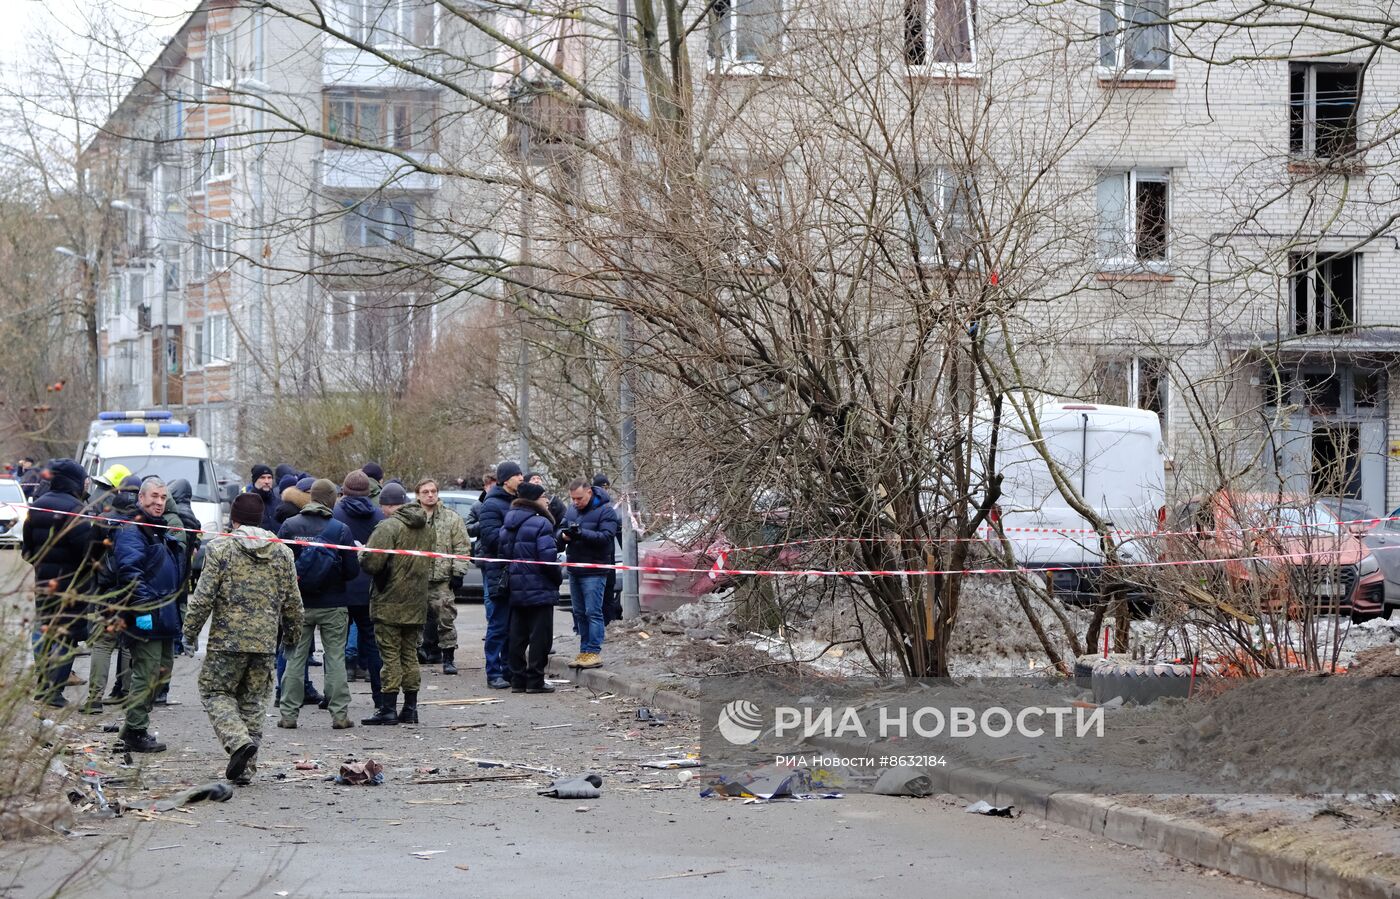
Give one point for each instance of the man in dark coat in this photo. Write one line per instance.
(490, 516)
(528, 535)
(590, 534)
(360, 514)
(148, 562)
(324, 605)
(63, 550)
(263, 484)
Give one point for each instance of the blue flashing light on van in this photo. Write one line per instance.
(137, 415)
(167, 429)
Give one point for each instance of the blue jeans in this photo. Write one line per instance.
(352, 645)
(282, 669)
(586, 595)
(497, 627)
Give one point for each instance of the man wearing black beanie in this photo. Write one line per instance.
(491, 516)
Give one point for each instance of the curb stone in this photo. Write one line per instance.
(1181, 838)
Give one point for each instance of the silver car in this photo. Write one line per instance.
(1384, 541)
(462, 502)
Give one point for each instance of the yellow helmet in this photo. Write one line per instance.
(114, 476)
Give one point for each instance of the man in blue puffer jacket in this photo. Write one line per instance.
(528, 535)
(149, 564)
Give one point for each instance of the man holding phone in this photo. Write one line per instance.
(589, 534)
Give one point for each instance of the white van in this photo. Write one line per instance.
(1114, 457)
(153, 443)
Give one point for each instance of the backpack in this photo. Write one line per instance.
(317, 564)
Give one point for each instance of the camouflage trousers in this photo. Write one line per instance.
(442, 605)
(235, 688)
(398, 647)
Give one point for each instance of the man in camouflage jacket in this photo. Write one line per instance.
(398, 601)
(449, 536)
(248, 586)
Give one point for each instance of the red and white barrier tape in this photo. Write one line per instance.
(713, 569)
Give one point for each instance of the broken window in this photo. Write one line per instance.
(1134, 217)
(1324, 291)
(939, 31)
(1336, 460)
(1134, 36)
(1323, 102)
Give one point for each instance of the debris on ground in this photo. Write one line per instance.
(307, 765)
(368, 773)
(427, 853)
(470, 778)
(903, 781)
(587, 786)
(773, 782)
(214, 791)
(654, 718)
(983, 807)
(670, 764)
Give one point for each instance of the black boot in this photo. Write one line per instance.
(311, 697)
(141, 741)
(409, 715)
(449, 663)
(387, 713)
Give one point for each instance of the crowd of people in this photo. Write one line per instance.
(122, 566)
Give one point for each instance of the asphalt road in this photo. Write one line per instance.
(293, 834)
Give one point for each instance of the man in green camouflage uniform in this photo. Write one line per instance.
(449, 536)
(398, 601)
(248, 586)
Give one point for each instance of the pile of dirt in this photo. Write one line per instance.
(993, 636)
(1297, 733)
(1378, 661)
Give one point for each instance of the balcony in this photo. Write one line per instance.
(351, 67)
(362, 171)
(555, 122)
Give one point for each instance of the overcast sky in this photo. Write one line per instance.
(136, 30)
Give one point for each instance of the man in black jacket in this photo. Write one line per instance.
(62, 548)
(590, 534)
(490, 516)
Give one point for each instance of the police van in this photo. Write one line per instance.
(154, 443)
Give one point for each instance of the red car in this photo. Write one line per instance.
(685, 543)
(1290, 548)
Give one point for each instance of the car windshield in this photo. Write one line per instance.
(1295, 519)
(199, 472)
(684, 533)
(10, 492)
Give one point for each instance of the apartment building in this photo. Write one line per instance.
(1193, 224)
(1196, 216)
(283, 239)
